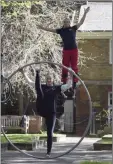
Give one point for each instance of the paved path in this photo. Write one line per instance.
(83, 152)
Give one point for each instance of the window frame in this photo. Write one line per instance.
(109, 93)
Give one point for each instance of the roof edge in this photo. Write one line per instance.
(94, 35)
(99, 0)
(95, 31)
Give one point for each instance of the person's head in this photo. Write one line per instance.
(49, 79)
(66, 22)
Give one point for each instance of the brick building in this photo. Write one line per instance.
(96, 35)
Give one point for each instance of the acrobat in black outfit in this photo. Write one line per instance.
(46, 104)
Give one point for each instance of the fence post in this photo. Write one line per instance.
(26, 123)
(93, 122)
(92, 127)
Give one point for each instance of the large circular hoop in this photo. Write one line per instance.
(90, 112)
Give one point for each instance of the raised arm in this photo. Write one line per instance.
(47, 29)
(38, 85)
(83, 18)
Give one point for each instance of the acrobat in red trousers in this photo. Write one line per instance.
(70, 59)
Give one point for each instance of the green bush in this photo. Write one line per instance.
(100, 133)
(14, 131)
(94, 162)
(107, 130)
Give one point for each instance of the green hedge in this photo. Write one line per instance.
(95, 162)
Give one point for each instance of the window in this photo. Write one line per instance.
(110, 51)
(109, 108)
(109, 99)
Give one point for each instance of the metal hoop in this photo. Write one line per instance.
(90, 115)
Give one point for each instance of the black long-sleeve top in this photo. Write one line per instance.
(46, 96)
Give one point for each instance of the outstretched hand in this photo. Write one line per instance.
(37, 69)
(87, 10)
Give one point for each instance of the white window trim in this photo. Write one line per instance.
(109, 105)
(110, 51)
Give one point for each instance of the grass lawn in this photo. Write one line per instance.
(105, 141)
(108, 136)
(23, 138)
(94, 162)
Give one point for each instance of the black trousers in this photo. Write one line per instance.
(50, 123)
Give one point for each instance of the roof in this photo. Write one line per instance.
(99, 17)
(99, 0)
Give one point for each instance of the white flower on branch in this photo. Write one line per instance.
(23, 42)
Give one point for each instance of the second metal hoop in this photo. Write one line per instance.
(90, 111)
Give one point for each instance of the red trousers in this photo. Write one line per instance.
(70, 59)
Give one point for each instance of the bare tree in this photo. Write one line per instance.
(23, 42)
